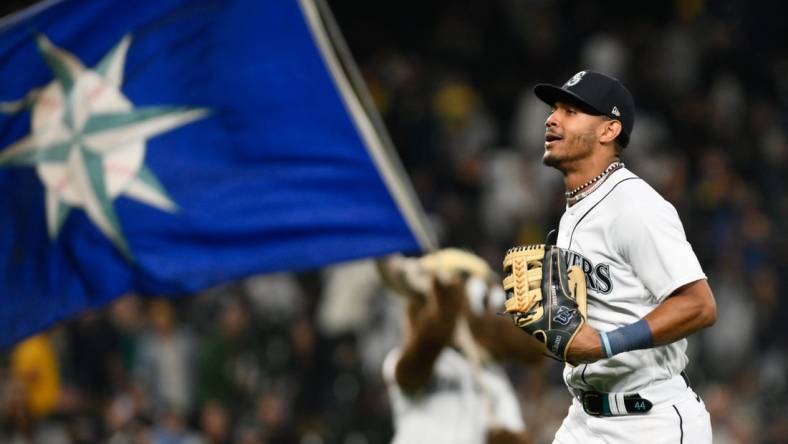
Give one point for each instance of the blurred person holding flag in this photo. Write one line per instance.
(445, 380)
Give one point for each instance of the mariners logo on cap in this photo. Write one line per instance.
(575, 79)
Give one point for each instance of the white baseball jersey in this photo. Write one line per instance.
(632, 247)
(454, 408)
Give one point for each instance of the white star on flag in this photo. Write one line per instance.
(87, 141)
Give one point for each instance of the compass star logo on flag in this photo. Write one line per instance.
(87, 140)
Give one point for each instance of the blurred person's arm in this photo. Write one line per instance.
(432, 323)
(505, 341)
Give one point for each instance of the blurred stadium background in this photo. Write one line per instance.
(295, 358)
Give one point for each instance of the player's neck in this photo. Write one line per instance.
(581, 181)
(583, 171)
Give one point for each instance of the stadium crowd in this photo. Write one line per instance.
(295, 358)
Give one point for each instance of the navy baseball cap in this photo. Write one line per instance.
(594, 93)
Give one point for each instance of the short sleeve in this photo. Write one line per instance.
(652, 240)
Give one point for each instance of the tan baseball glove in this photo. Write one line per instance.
(544, 298)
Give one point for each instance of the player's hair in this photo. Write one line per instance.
(618, 146)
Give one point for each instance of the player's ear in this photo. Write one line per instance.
(609, 130)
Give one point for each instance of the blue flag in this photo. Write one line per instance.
(166, 146)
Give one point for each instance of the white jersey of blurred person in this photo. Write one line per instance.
(443, 380)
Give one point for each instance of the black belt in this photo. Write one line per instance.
(607, 404)
(612, 404)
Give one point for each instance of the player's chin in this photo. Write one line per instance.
(551, 159)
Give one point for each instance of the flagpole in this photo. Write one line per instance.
(28, 11)
(368, 121)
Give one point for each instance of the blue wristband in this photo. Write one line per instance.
(605, 344)
(635, 336)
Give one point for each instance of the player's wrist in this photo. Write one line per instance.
(636, 336)
(586, 347)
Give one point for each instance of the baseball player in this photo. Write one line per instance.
(443, 381)
(645, 289)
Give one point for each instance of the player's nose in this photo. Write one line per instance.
(552, 120)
